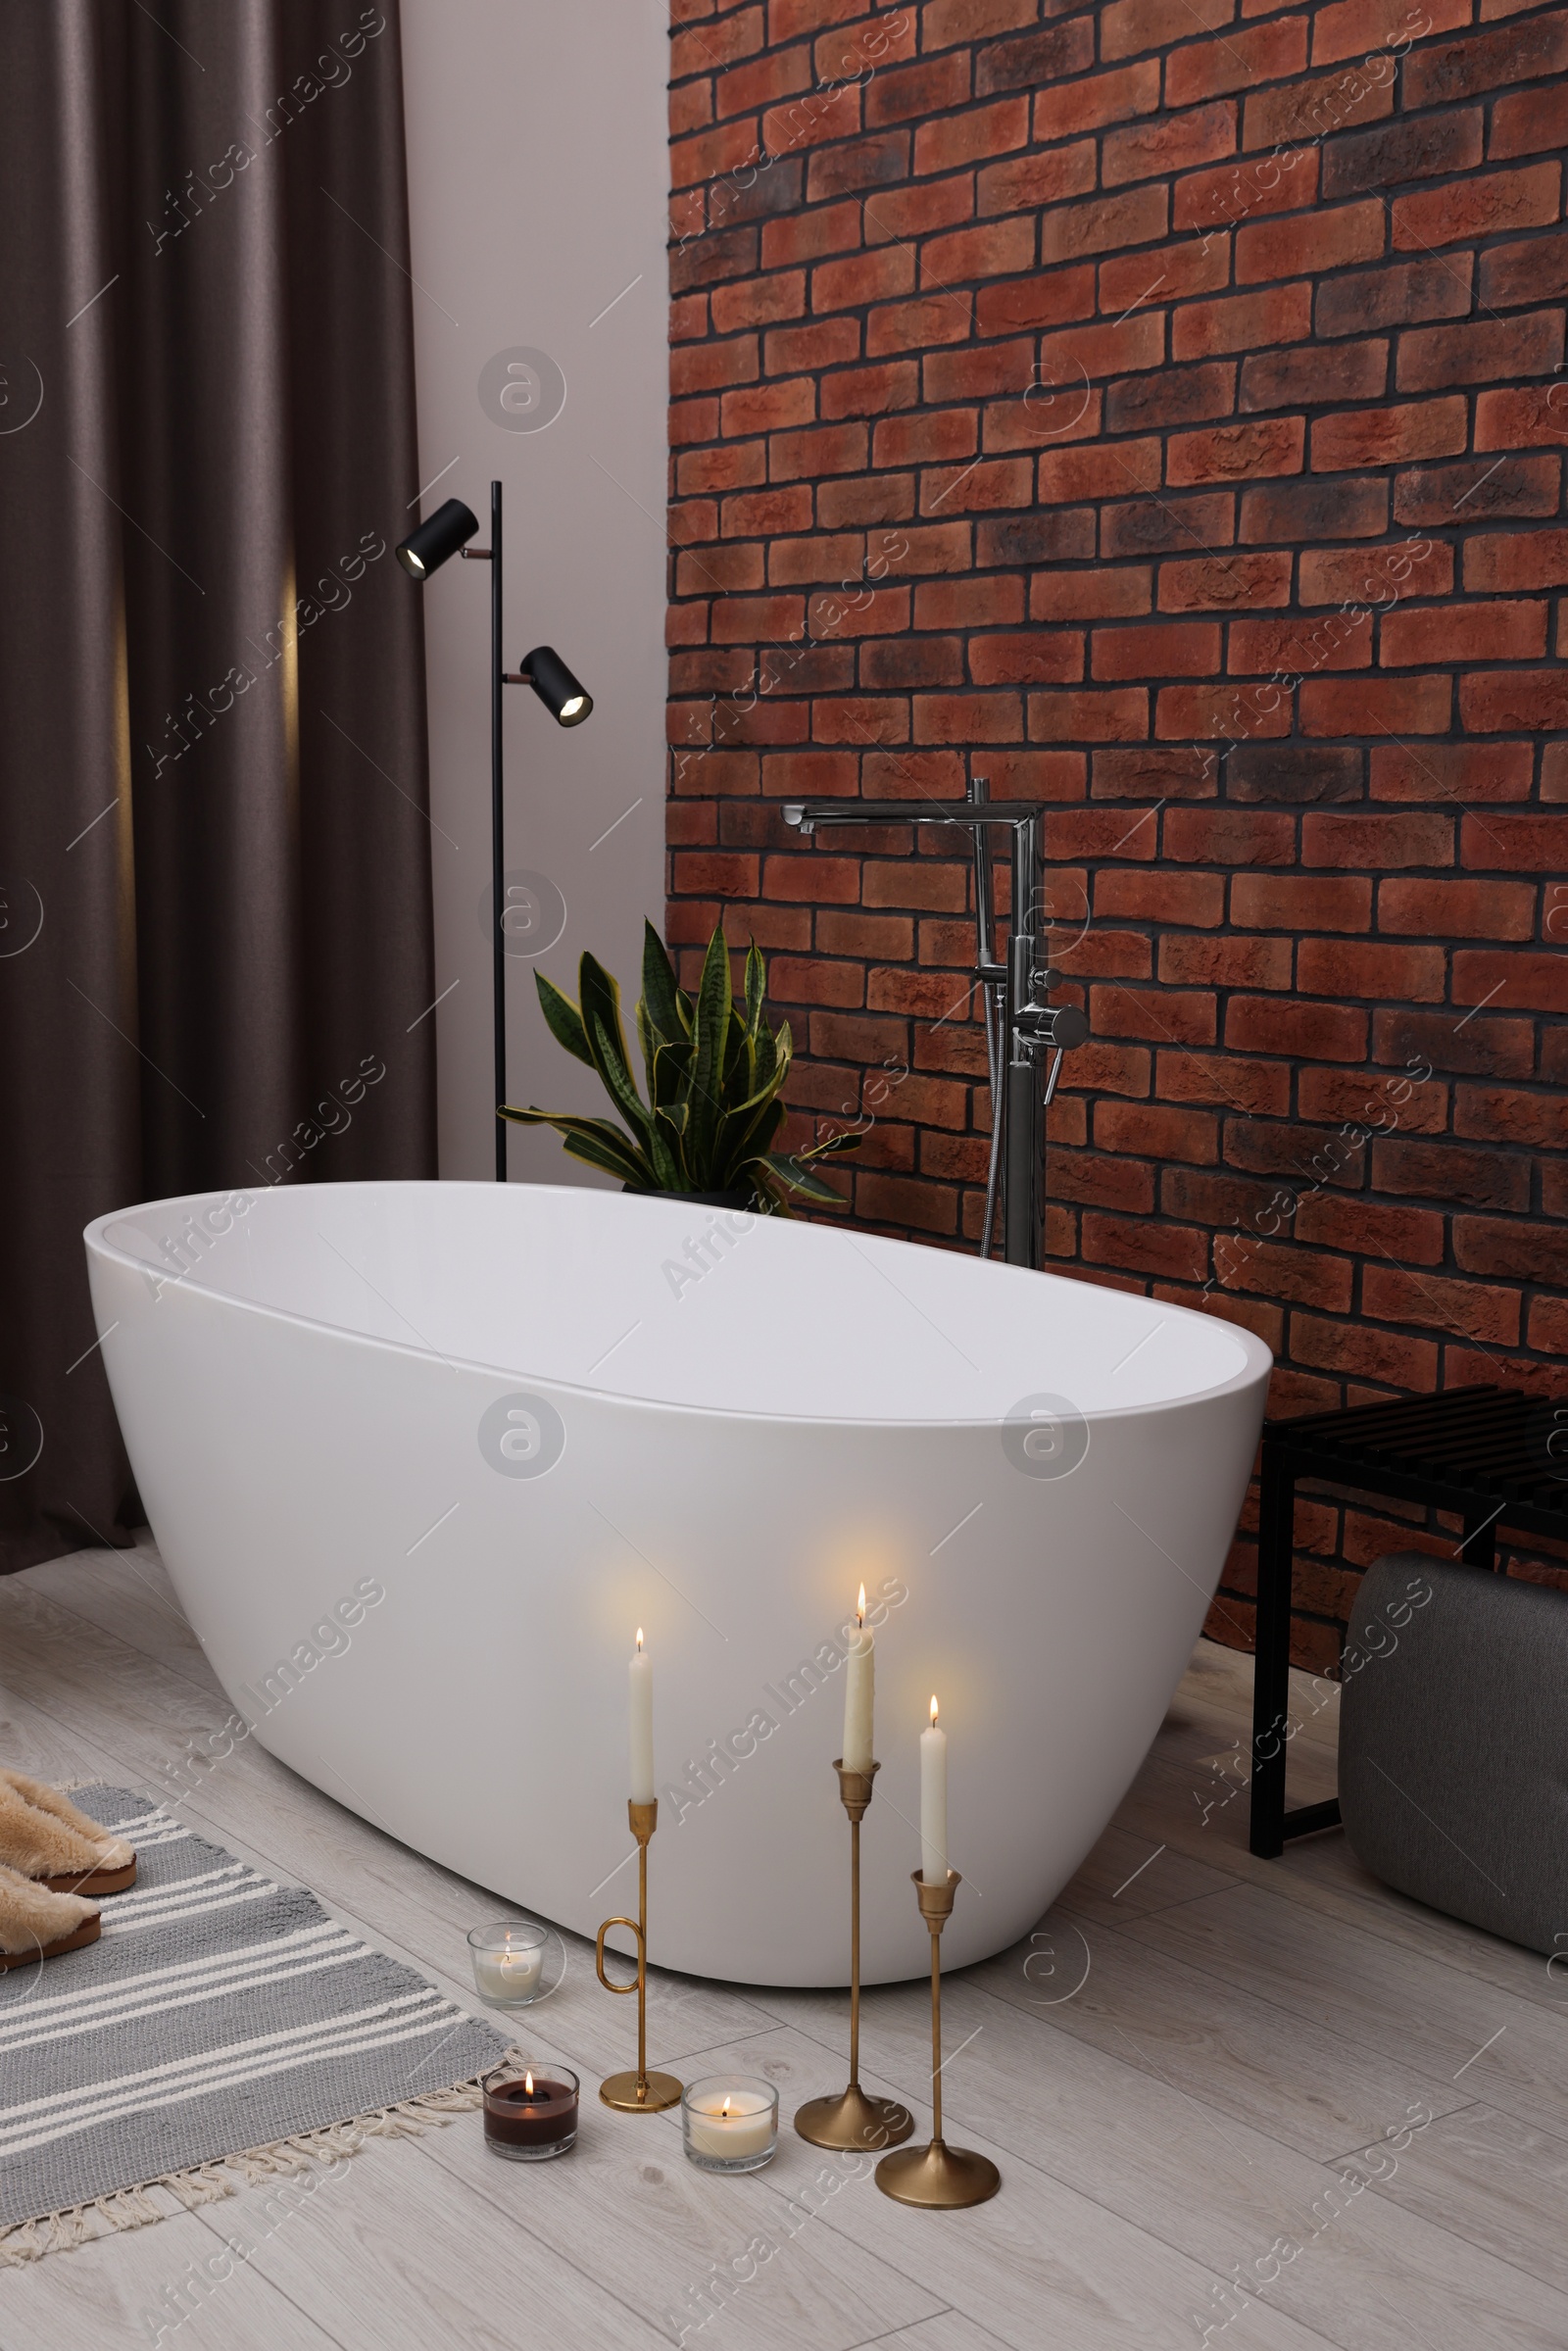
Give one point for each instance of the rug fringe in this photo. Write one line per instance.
(209, 2182)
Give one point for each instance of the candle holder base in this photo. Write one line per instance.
(630, 2093)
(938, 2178)
(852, 2121)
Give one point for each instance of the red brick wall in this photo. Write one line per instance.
(1156, 408)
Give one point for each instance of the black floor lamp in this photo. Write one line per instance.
(423, 551)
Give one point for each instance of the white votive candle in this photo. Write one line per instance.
(730, 2123)
(640, 1675)
(933, 1802)
(509, 1960)
(860, 1693)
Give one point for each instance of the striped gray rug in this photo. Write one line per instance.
(220, 2020)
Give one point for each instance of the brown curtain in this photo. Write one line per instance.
(214, 894)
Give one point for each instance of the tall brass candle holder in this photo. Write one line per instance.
(641, 2092)
(851, 2119)
(940, 2177)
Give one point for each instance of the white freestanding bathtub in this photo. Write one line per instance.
(421, 1458)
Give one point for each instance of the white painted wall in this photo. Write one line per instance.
(538, 176)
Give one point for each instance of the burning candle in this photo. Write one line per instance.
(529, 2117)
(509, 1961)
(860, 1693)
(933, 1802)
(641, 1676)
(730, 2123)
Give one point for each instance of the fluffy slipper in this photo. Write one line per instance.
(35, 1924)
(44, 1837)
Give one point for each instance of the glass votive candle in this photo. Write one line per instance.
(729, 2123)
(509, 1962)
(531, 2112)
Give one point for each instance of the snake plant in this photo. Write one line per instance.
(714, 1070)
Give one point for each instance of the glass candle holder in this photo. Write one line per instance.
(509, 1962)
(531, 2111)
(729, 2123)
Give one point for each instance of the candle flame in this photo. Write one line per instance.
(860, 1607)
(933, 1710)
(724, 2109)
(639, 1637)
(528, 2085)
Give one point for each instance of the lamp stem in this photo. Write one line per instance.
(498, 886)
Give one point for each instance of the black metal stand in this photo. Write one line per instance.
(1480, 1452)
(491, 555)
(498, 861)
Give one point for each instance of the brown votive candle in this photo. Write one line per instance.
(531, 2112)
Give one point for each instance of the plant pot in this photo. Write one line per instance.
(740, 1198)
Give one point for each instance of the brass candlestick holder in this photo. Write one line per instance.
(851, 2120)
(641, 2092)
(940, 2177)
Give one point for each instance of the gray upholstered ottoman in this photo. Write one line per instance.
(1454, 1744)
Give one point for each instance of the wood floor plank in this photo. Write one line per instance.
(129, 1594)
(393, 2252)
(949, 2331)
(1497, 2182)
(168, 2285)
(1320, 1874)
(1126, 1876)
(1308, 2088)
(1324, 1873)
(1406, 2004)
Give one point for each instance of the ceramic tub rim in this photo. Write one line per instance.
(1258, 1359)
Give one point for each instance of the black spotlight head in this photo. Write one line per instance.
(568, 703)
(426, 549)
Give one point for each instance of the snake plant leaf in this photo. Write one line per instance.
(669, 1006)
(766, 1069)
(670, 1140)
(599, 995)
(617, 1078)
(675, 1115)
(593, 1154)
(843, 1140)
(667, 1078)
(737, 1055)
(791, 1169)
(648, 1040)
(662, 1144)
(562, 1019)
(594, 1139)
(755, 987)
(711, 1035)
(745, 1139)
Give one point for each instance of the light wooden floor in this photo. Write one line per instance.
(1179, 2071)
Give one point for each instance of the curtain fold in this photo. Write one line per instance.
(214, 893)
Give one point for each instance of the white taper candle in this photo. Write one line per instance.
(641, 1676)
(860, 1693)
(933, 1802)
